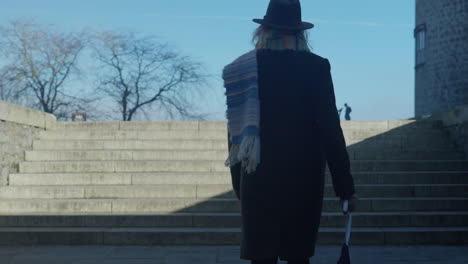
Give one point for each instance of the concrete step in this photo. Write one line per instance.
(223, 236)
(404, 177)
(221, 155)
(230, 220)
(218, 205)
(214, 190)
(218, 166)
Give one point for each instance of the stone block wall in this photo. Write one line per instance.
(455, 122)
(19, 126)
(442, 80)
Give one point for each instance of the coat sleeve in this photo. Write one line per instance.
(335, 145)
(235, 172)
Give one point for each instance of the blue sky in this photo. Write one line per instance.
(368, 42)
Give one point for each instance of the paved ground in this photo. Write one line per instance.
(226, 255)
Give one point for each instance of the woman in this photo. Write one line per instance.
(283, 127)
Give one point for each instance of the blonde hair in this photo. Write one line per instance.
(270, 38)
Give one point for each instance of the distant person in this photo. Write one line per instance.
(283, 128)
(348, 112)
(339, 112)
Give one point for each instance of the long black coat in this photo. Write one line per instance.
(281, 202)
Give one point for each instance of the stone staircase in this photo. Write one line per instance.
(165, 183)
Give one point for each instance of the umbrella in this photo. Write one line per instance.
(344, 258)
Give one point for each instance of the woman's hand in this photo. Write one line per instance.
(352, 203)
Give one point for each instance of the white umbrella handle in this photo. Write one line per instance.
(348, 222)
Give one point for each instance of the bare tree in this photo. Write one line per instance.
(139, 72)
(8, 87)
(40, 62)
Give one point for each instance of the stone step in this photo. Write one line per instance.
(214, 190)
(223, 236)
(220, 144)
(404, 177)
(350, 134)
(391, 124)
(218, 205)
(127, 155)
(231, 220)
(220, 155)
(218, 166)
(372, 146)
(188, 134)
(435, 133)
(401, 143)
(384, 154)
(222, 125)
(208, 144)
(137, 125)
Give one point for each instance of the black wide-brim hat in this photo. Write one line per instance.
(284, 15)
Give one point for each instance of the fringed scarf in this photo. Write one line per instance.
(243, 111)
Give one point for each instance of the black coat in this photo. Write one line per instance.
(281, 202)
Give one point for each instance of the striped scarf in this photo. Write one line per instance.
(243, 111)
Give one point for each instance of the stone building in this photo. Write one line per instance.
(441, 61)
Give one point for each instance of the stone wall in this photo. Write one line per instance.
(14, 140)
(456, 123)
(18, 127)
(442, 81)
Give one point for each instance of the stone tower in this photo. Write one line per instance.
(441, 36)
